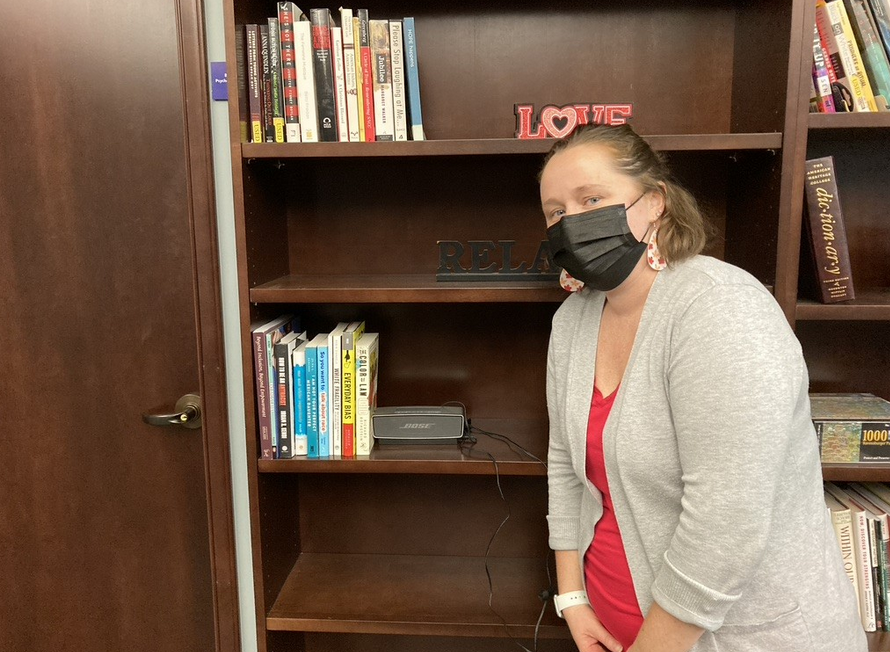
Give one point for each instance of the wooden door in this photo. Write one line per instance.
(113, 533)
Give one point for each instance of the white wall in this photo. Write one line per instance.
(216, 51)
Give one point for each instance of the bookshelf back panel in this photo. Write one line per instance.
(422, 515)
(376, 216)
(490, 357)
(849, 356)
(861, 169)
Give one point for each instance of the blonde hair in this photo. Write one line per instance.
(683, 231)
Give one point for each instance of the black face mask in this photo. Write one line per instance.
(596, 247)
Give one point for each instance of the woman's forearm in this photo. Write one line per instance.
(568, 571)
(662, 632)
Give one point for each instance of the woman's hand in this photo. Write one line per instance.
(588, 631)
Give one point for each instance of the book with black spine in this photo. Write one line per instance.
(277, 88)
(286, 13)
(254, 83)
(241, 80)
(268, 127)
(323, 62)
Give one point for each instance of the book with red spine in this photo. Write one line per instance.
(367, 83)
(322, 58)
(821, 79)
(286, 12)
(840, 84)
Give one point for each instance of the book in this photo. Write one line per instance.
(412, 80)
(851, 427)
(323, 63)
(352, 332)
(863, 97)
(399, 101)
(283, 353)
(367, 76)
(277, 101)
(384, 120)
(340, 84)
(301, 435)
(264, 336)
(254, 83)
(312, 434)
(336, 385)
(286, 11)
(880, 511)
(367, 349)
(873, 56)
(266, 85)
(241, 79)
(880, 11)
(862, 555)
(827, 235)
(840, 84)
(324, 402)
(305, 81)
(821, 79)
(349, 74)
(842, 522)
(359, 79)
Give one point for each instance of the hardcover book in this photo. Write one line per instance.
(841, 86)
(335, 347)
(852, 427)
(301, 401)
(353, 332)
(324, 74)
(842, 522)
(873, 56)
(241, 63)
(399, 101)
(283, 354)
(863, 96)
(821, 78)
(265, 336)
(827, 235)
(254, 83)
(384, 120)
(366, 363)
(340, 85)
(412, 80)
(306, 101)
(266, 76)
(367, 76)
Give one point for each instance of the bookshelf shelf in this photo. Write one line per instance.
(878, 641)
(497, 146)
(400, 288)
(862, 472)
(413, 594)
(848, 120)
(872, 304)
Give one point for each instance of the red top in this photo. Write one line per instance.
(606, 573)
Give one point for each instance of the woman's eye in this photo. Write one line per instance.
(591, 201)
(556, 214)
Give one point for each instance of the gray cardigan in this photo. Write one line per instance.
(712, 464)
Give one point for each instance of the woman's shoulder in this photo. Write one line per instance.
(705, 273)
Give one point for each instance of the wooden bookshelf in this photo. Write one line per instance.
(385, 552)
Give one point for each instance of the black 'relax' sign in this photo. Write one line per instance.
(492, 261)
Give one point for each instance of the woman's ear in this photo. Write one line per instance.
(659, 201)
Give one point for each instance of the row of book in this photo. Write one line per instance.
(851, 56)
(860, 515)
(851, 428)
(305, 79)
(314, 396)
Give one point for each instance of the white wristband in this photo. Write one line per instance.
(571, 599)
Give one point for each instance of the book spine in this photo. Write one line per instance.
(285, 406)
(866, 586)
(840, 84)
(367, 76)
(873, 56)
(268, 127)
(399, 101)
(381, 56)
(277, 88)
(874, 555)
(412, 79)
(340, 85)
(842, 521)
(241, 77)
(289, 72)
(324, 74)
(863, 98)
(366, 400)
(261, 376)
(301, 437)
(828, 236)
(254, 84)
(880, 10)
(324, 433)
(336, 398)
(824, 99)
(305, 81)
(312, 402)
(348, 390)
(349, 74)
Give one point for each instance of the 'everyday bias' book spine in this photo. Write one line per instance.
(350, 335)
(349, 74)
(305, 81)
(324, 74)
(367, 76)
(412, 80)
(275, 71)
(335, 348)
(268, 127)
(828, 236)
(301, 403)
(254, 83)
(384, 123)
(399, 100)
(289, 72)
(241, 62)
(340, 85)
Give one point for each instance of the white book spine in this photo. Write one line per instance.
(864, 563)
(382, 78)
(340, 85)
(306, 81)
(336, 379)
(352, 108)
(399, 100)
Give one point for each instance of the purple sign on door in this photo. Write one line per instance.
(219, 82)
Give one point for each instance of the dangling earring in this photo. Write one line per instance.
(653, 255)
(569, 283)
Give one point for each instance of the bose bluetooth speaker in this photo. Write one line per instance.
(418, 425)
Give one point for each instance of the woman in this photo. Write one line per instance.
(686, 503)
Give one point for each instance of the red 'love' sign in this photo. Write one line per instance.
(560, 121)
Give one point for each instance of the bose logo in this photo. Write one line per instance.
(417, 426)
